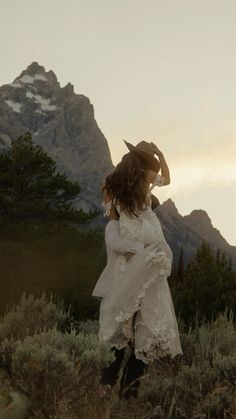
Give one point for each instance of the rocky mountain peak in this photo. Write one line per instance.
(170, 207)
(200, 219)
(188, 231)
(34, 68)
(68, 89)
(35, 73)
(200, 222)
(62, 122)
(169, 210)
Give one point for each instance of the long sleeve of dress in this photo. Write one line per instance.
(117, 243)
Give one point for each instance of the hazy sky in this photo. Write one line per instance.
(161, 71)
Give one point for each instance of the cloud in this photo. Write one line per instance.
(208, 167)
(206, 162)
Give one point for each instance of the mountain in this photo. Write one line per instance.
(200, 222)
(61, 121)
(189, 231)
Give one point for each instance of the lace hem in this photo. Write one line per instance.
(159, 344)
(156, 348)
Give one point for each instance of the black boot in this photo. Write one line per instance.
(129, 383)
(110, 374)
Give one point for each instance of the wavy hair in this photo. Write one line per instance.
(128, 184)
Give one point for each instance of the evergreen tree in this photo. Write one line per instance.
(205, 287)
(217, 256)
(172, 277)
(223, 262)
(173, 271)
(30, 188)
(180, 267)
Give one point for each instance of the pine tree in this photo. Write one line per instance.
(30, 188)
(199, 284)
(223, 262)
(208, 286)
(217, 256)
(172, 277)
(180, 267)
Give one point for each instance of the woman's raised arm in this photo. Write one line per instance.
(164, 167)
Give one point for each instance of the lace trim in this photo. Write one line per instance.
(159, 344)
(127, 329)
(156, 347)
(125, 318)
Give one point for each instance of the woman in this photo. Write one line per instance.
(137, 309)
(116, 247)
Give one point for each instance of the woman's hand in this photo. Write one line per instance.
(128, 255)
(156, 149)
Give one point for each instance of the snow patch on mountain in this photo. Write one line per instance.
(15, 106)
(30, 79)
(43, 102)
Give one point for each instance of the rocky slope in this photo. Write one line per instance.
(62, 122)
(189, 230)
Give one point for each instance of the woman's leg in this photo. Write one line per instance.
(129, 383)
(134, 368)
(110, 374)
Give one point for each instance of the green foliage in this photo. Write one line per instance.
(180, 267)
(13, 406)
(30, 188)
(45, 242)
(89, 326)
(32, 314)
(45, 364)
(207, 288)
(203, 382)
(227, 367)
(58, 370)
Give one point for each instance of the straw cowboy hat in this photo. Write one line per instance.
(144, 149)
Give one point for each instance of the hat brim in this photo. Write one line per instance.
(153, 163)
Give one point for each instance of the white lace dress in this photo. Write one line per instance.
(138, 306)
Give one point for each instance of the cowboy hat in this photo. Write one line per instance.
(144, 149)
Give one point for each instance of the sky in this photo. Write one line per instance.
(154, 70)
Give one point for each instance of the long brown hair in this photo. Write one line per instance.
(128, 184)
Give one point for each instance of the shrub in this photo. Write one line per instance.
(204, 382)
(33, 314)
(52, 367)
